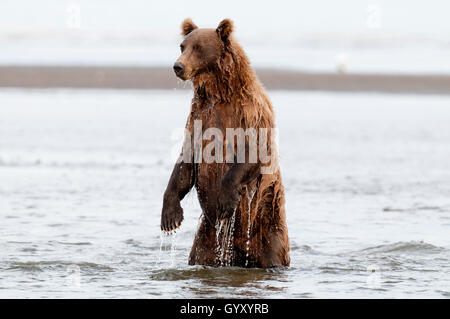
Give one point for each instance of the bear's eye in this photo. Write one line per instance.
(182, 48)
(197, 47)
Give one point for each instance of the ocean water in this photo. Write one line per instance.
(82, 174)
(402, 36)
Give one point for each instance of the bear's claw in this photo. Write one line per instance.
(228, 202)
(225, 214)
(171, 218)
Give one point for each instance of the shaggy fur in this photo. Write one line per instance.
(228, 94)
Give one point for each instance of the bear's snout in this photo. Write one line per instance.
(178, 68)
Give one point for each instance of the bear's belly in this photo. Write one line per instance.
(208, 185)
(213, 118)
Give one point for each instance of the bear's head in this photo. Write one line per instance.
(201, 49)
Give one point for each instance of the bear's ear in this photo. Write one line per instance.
(224, 29)
(187, 26)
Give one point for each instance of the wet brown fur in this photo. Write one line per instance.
(228, 94)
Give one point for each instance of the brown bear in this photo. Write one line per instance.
(243, 220)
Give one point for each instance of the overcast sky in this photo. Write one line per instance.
(251, 17)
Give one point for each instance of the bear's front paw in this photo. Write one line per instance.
(171, 217)
(228, 202)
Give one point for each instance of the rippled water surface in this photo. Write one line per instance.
(82, 174)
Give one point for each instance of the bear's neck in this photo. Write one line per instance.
(230, 81)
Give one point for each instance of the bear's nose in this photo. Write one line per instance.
(178, 68)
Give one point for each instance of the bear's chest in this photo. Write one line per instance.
(211, 114)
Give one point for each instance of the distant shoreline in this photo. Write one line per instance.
(147, 77)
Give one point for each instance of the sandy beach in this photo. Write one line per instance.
(147, 77)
